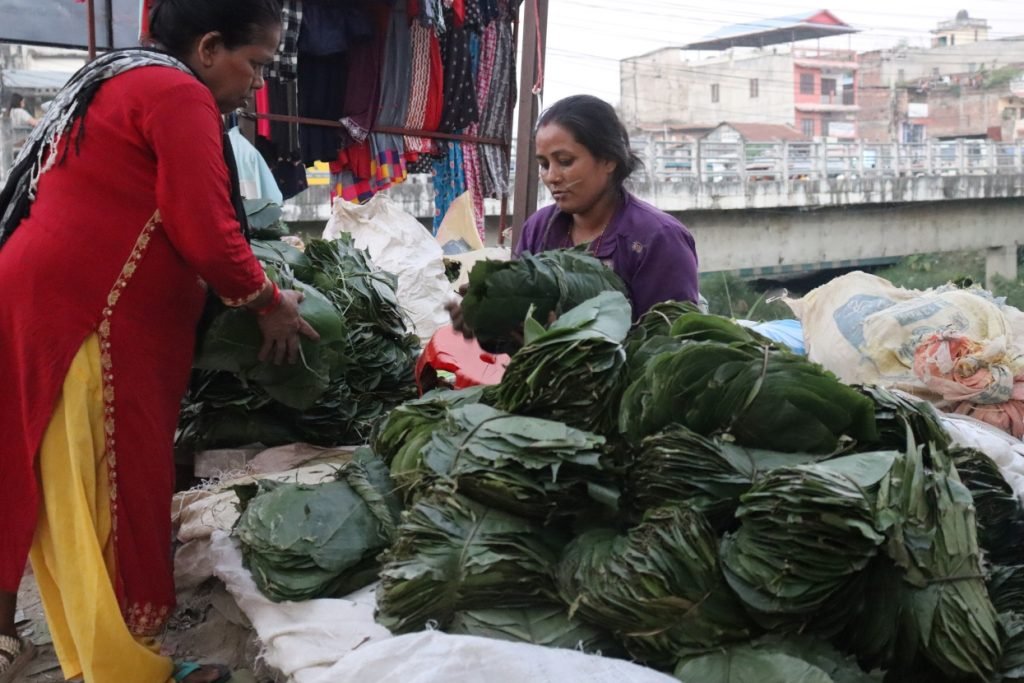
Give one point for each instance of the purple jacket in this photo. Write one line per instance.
(652, 252)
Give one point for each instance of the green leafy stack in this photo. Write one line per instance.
(521, 465)
(342, 385)
(658, 587)
(763, 397)
(309, 541)
(548, 625)
(502, 294)
(454, 555)
(782, 574)
(575, 370)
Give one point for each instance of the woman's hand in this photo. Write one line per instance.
(281, 328)
(454, 308)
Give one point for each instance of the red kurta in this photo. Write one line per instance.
(119, 241)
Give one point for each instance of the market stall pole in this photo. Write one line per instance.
(531, 84)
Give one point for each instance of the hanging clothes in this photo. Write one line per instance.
(460, 105)
(498, 71)
(286, 62)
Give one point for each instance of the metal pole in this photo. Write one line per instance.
(525, 201)
(90, 11)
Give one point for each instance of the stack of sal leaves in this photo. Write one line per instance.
(746, 518)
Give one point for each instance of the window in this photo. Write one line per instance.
(971, 67)
(807, 127)
(901, 76)
(714, 93)
(755, 88)
(935, 72)
(806, 84)
(828, 86)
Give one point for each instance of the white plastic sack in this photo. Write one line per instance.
(434, 657)
(866, 330)
(399, 244)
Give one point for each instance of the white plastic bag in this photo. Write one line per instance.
(399, 244)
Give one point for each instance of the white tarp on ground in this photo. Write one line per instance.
(338, 641)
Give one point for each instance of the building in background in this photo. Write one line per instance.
(759, 73)
(960, 31)
(963, 87)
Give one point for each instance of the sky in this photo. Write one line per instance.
(587, 38)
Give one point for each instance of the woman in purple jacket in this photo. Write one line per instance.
(585, 158)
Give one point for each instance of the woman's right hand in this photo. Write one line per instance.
(281, 328)
(454, 308)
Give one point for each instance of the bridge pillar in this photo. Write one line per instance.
(1001, 261)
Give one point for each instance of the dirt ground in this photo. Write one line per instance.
(207, 627)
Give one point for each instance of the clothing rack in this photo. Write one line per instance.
(435, 135)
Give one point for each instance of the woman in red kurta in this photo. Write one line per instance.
(113, 236)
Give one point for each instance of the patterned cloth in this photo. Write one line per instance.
(286, 62)
(449, 181)
(460, 106)
(498, 71)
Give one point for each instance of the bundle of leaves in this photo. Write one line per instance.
(932, 607)
(1006, 588)
(804, 532)
(899, 417)
(548, 625)
(1011, 666)
(772, 660)
(305, 541)
(521, 465)
(408, 428)
(658, 320)
(658, 587)
(677, 466)
(454, 555)
(264, 217)
(761, 396)
(998, 509)
(501, 294)
(574, 371)
(342, 385)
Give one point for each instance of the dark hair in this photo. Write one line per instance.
(16, 100)
(177, 24)
(596, 126)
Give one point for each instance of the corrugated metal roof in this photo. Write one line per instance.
(790, 28)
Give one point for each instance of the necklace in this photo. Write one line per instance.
(594, 245)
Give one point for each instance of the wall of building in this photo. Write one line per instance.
(661, 88)
(885, 67)
(653, 90)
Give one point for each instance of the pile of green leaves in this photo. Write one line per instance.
(998, 509)
(306, 541)
(804, 532)
(548, 625)
(934, 607)
(502, 293)
(677, 466)
(658, 587)
(454, 555)
(521, 465)
(573, 371)
(342, 385)
(772, 660)
(408, 428)
(761, 396)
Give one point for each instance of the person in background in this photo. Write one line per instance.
(121, 214)
(585, 160)
(21, 120)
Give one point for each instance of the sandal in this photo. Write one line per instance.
(183, 670)
(15, 653)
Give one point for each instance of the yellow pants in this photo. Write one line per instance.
(73, 551)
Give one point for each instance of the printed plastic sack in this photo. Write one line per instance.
(789, 333)
(399, 244)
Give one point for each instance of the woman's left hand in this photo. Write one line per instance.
(281, 328)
